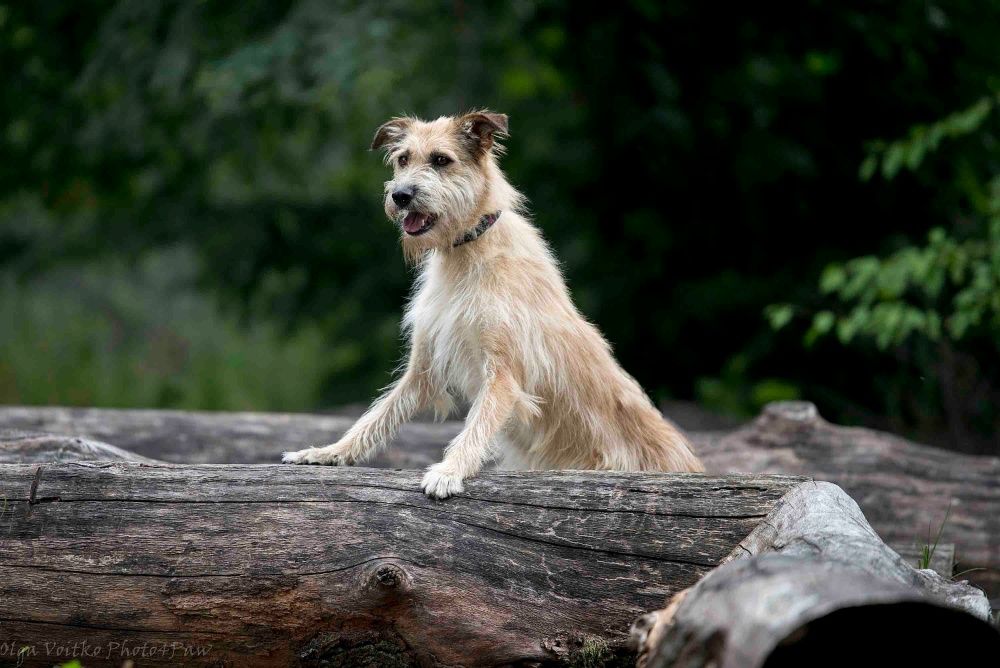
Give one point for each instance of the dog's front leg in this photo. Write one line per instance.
(375, 428)
(468, 451)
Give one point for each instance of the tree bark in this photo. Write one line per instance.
(777, 610)
(814, 582)
(278, 565)
(905, 489)
(24, 447)
(203, 437)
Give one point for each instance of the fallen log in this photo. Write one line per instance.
(813, 581)
(204, 437)
(24, 447)
(905, 489)
(279, 565)
(778, 610)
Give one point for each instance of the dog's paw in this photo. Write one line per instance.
(329, 456)
(440, 482)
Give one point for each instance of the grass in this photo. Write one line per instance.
(144, 336)
(927, 552)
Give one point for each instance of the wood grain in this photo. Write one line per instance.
(814, 563)
(905, 489)
(273, 565)
(778, 610)
(23, 447)
(204, 437)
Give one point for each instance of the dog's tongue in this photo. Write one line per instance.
(414, 221)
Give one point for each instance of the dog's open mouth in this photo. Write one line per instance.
(417, 223)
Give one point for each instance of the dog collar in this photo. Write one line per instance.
(485, 223)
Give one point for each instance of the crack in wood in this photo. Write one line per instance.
(587, 548)
(193, 576)
(270, 502)
(34, 485)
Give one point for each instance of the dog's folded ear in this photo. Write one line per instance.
(478, 128)
(390, 132)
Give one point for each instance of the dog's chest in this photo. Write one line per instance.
(447, 319)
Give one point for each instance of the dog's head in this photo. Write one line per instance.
(440, 175)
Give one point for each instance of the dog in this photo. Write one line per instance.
(491, 321)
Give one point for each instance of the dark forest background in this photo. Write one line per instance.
(795, 201)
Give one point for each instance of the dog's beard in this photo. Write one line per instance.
(415, 248)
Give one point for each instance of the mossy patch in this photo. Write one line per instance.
(364, 650)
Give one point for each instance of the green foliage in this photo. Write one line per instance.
(945, 292)
(142, 337)
(596, 652)
(240, 131)
(734, 393)
(910, 152)
(662, 149)
(947, 288)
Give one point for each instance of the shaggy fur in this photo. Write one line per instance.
(491, 321)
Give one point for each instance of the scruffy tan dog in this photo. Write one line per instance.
(491, 321)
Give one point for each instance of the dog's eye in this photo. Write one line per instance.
(440, 160)
(403, 160)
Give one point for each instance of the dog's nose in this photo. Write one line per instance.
(402, 196)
